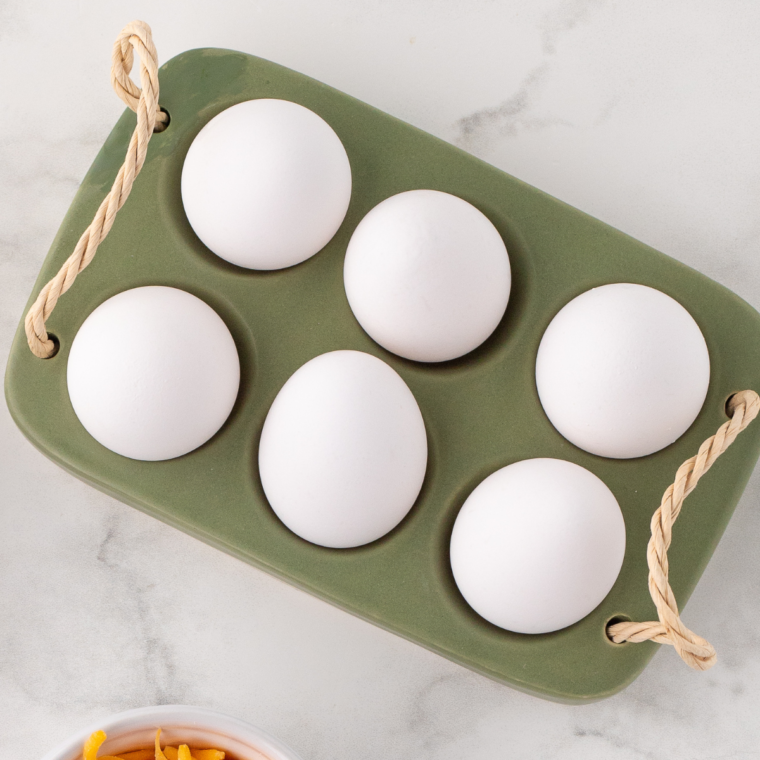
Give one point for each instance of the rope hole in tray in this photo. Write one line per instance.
(728, 406)
(162, 124)
(56, 345)
(615, 620)
(741, 407)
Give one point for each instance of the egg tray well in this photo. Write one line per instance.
(482, 411)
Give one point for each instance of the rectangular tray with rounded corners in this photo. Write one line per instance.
(482, 411)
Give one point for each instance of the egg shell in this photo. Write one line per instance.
(266, 184)
(153, 373)
(537, 545)
(622, 370)
(343, 450)
(427, 275)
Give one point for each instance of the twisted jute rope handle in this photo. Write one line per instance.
(144, 101)
(695, 651)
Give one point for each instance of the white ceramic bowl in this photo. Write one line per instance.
(181, 724)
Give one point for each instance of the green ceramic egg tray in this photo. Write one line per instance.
(481, 411)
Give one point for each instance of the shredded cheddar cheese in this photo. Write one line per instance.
(92, 745)
(182, 752)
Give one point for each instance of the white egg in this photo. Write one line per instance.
(343, 451)
(427, 275)
(266, 184)
(538, 545)
(622, 371)
(153, 373)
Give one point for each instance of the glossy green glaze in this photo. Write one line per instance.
(482, 411)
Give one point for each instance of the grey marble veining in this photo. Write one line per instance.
(645, 114)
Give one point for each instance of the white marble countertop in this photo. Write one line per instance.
(646, 115)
